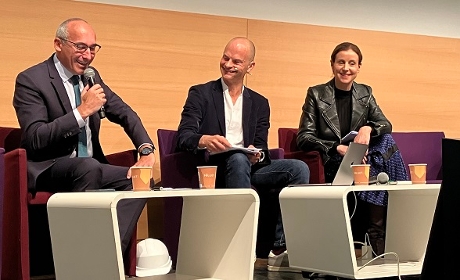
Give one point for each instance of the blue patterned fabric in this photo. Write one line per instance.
(383, 156)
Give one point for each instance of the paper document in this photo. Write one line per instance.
(349, 137)
(246, 150)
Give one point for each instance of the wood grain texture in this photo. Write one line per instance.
(152, 57)
(148, 57)
(414, 78)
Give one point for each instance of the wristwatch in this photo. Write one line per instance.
(146, 151)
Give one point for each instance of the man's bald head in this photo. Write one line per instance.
(242, 42)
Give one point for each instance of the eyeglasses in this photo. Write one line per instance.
(82, 47)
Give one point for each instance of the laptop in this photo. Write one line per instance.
(344, 176)
(354, 155)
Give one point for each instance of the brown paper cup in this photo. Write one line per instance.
(418, 173)
(361, 174)
(140, 175)
(207, 177)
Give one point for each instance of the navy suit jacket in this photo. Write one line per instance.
(49, 128)
(204, 114)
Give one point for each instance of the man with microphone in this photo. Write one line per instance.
(60, 114)
(222, 114)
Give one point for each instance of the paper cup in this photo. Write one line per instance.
(140, 175)
(361, 174)
(418, 173)
(207, 176)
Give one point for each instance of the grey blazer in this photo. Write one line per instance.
(49, 128)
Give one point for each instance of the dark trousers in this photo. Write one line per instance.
(82, 174)
(367, 218)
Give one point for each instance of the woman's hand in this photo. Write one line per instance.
(342, 149)
(364, 135)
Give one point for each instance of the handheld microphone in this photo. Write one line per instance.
(381, 179)
(89, 76)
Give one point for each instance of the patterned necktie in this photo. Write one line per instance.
(82, 150)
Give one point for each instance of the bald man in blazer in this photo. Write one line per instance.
(224, 113)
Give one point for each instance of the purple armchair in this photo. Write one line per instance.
(178, 170)
(422, 147)
(287, 141)
(26, 247)
(2, 181)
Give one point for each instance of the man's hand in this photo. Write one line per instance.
(92, 99)
(254, 158)
(148, 161)
(214, 143)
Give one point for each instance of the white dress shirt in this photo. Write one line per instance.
(233, 117)
(66, 75)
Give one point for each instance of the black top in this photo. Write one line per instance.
(343, 104)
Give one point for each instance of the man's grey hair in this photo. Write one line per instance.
(62, 31)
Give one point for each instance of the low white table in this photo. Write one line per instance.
(217, 241)
(319, 238)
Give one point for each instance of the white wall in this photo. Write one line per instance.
(425, 17)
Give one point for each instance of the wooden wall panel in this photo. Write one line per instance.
(152, 57)
(149, 57)
(414, 78)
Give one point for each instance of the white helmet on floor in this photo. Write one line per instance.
(152, 258)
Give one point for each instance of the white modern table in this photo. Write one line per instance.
(319, 237)
(217, 240)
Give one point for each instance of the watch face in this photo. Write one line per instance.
(146, 151)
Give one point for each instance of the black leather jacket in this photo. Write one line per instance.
(319, 127)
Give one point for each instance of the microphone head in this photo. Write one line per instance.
(382, 178)
(89, 73)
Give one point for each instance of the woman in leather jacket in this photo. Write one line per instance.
(334, 109)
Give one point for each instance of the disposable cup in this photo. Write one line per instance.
(140, 176)
(207, 176)
(361, 174)
(418, 173)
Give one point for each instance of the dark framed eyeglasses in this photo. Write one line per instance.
(82, 47)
